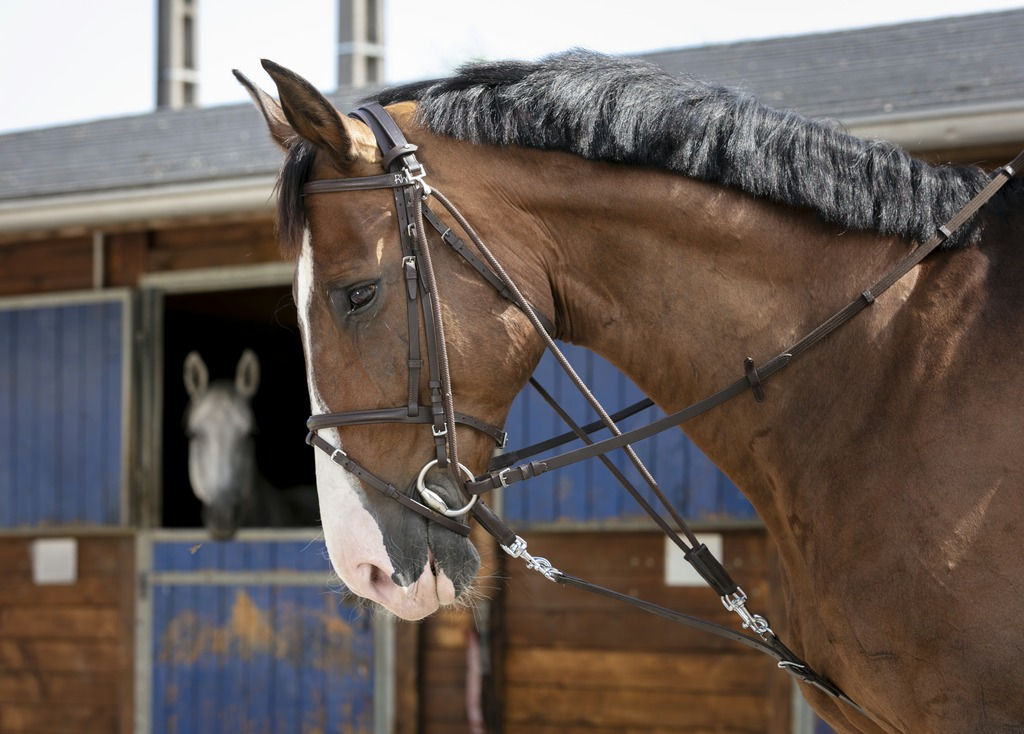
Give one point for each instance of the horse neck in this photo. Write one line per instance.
(676, 282)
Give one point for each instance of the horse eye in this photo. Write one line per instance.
(361, 296)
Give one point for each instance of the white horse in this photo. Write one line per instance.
(222, 467)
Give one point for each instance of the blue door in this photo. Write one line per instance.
(62, 406)
(247, 636)
(586, 492)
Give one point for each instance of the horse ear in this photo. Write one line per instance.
(314, 118)
(196, 375)
(247, 374)
(280, 130)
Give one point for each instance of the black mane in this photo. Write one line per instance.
(629, 111)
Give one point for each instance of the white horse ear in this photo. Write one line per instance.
(196, 375)
(247, 375)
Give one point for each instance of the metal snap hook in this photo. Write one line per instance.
(434, 501)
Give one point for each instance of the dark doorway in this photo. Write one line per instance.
(220, 326)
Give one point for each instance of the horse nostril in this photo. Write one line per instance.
(400, 578)
(379, 583)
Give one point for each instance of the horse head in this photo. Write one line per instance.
(362, 317)
(220, 425)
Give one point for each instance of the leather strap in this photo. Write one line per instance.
(390, 138)
(398, 415)
(363, 183)
(493, 480)
(508, 459)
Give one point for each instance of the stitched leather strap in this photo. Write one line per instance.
(397, 415)
(363, 183)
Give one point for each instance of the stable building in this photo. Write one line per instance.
(127, 243)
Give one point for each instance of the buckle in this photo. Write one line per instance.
(415, 174)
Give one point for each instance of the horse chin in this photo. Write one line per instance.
(454, 561)
(221, 521)
(450, 563)
(435, 589)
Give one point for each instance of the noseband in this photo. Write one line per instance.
(405, 178)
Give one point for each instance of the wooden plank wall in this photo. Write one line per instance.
(449, 660)
(48, 265)
(66, 651)
(568, 662)
(443, 673)
(454, 676)
(239, 243)
(576, 662)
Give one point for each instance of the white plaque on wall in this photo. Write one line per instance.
(678, 571)
(54, 561)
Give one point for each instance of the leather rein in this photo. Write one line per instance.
(405, 178)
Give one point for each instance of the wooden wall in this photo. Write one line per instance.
(66, 651)
(567, 662)
(449, 659)
(48, 265)
(576, 662)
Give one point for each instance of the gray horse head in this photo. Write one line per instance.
(221, 455)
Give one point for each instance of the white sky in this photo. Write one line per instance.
(70, 60)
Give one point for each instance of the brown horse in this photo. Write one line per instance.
(675, 227)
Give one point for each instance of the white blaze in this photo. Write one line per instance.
(354, 540)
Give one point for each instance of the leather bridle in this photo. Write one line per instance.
(406, 182)
(405, 178)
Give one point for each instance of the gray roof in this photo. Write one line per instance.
(962, 61)
(929, 66)
(159, 148)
